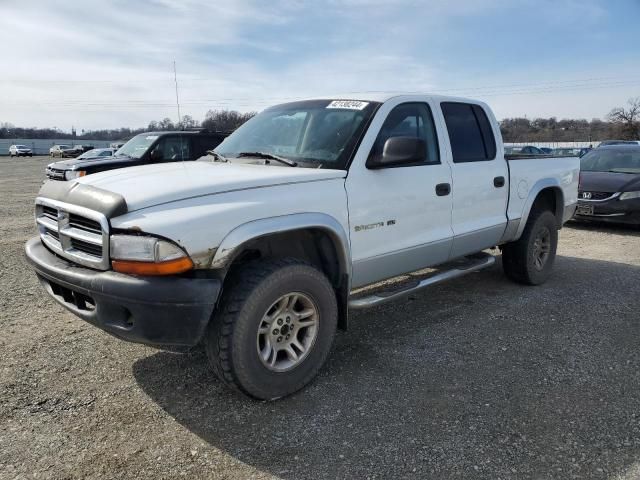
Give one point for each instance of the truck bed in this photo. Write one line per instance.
(527, 156)
(528, 174)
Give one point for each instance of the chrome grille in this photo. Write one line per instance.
(73, 232)
(76, 221)
(54, 174)
(50, 212)
(596, 196)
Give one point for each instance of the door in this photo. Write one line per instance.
(201, 143)
(398, 223)
(480, 179)
(199, 146)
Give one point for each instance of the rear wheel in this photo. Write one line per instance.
(530, 259)
(274, 328)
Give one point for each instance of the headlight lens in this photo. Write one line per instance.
(71, 174)
(146, 255)
(630, 195)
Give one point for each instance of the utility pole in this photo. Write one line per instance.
(175, 78)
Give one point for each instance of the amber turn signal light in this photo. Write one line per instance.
(169, 267)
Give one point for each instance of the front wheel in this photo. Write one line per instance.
(274, 328)
(530, 259)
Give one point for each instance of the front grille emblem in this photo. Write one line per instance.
(586, 195)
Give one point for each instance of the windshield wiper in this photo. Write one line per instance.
(268, 156)
(217, 157)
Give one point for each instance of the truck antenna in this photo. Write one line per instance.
(175, 79)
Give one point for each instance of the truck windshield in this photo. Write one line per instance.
(617, 160)
(315, 133)
(136, 147)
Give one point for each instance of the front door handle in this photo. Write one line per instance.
(443, 189)
(498, 182)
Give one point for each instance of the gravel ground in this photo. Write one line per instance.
(478, 378)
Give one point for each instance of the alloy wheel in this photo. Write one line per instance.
(287, 332)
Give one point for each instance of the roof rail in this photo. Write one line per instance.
(206, 130)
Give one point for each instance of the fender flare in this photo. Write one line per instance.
(232, 243)
(540, 185)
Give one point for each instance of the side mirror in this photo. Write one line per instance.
(398, 151)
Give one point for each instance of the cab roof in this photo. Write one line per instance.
(183, 132)
(382, 97)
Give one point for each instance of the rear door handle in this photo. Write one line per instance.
(498, 182)
(443, 189)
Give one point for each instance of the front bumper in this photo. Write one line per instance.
(53, 174)
(161, 311)
(612, 211)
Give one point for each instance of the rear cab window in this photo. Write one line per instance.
(470, 132)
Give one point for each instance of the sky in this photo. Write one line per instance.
(98, 64)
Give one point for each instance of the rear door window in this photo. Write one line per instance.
(470, 132)
(202, 143)
(175, 148)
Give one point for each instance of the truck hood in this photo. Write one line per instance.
(148, 185)
(79, 163)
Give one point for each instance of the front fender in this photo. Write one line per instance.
(232, 243)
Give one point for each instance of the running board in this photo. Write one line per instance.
(472, 264)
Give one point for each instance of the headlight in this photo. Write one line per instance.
(145, 255)
(71, 174)
(630, 195)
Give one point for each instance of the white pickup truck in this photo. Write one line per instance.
(259, 252)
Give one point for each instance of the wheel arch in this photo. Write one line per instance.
(546, 192)
(316, 237)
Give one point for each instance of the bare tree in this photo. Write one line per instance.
(627, 119)
(188, 122)
(166, 124)
(225, 120)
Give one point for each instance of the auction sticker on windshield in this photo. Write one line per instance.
(348, 104)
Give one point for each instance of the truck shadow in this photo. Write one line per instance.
(477, 377)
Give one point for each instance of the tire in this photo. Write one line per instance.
(523, 261)
(242, 338)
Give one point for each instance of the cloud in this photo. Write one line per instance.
(98, 64)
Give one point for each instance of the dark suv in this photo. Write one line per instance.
(150, 147)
